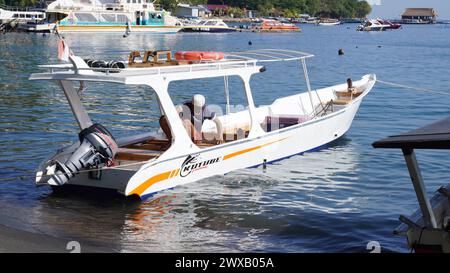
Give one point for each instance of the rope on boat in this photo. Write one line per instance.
(34, 175)
(414, 88)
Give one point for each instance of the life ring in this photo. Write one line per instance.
(199, 56)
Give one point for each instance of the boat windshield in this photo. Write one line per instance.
(211, 23)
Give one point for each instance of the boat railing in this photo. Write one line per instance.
(159, 70)
(110, 7)
(233, 60)
(271, 55)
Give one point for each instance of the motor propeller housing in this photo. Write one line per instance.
(97, 146)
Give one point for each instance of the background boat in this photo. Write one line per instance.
(119, 16)
(208, 25)
(329, 22)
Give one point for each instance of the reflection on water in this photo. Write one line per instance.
(335, 199)
(241, 211)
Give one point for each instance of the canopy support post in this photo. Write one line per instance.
(256, 128)
(419, 188)
(227, 95)
(83, 119)
(308, 85)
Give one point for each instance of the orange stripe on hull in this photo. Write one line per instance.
(153, 180)
(175, 172)
(228, 156)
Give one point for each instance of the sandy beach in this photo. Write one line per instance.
(18, 241)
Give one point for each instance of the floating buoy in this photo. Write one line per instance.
(199, 56)
(340, 51)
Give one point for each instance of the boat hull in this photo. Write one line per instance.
(329, 24)
(208, 30)
(191, 165)
(120, 29)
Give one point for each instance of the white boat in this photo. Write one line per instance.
(19, 15)
(329, 22)
(373, 25)
(119, 16)
(39, 26)
(208, 25)
(144, 164)
(312, 20)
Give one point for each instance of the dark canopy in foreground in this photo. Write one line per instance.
(433, 136)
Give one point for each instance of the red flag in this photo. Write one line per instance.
(63, 50)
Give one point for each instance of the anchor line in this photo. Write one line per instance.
(413, 88)
(34, 175)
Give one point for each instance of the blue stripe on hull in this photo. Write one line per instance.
(209, 31)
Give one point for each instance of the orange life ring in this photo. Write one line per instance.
(199, 56)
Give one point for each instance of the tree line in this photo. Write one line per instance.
(286, 8)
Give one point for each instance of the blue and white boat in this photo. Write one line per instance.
(209, 25)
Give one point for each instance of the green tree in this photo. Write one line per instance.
(236, 12)
(22, 3)
(312, 7)
(169, 5)
(362, 9)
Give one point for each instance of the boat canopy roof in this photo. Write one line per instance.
(234, 63)
(432, 136)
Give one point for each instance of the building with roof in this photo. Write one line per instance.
(217, 10)
(419, 16)
(188, 11)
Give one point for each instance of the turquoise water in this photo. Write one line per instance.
(334, 200)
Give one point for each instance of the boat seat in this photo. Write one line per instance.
(275, 122)
(231, 129)
(130, 140)
(341, 101)
(136, 154)
(349, 93)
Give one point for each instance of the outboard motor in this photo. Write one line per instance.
(97, 146)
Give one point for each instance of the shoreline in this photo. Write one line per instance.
(18, 241)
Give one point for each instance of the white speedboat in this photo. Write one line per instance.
(373, 25)
(208, 25)
(186, 149)
(329, 22)
(118, 16)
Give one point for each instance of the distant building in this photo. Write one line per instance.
(217, 10)
(187, 11)
(419, 16)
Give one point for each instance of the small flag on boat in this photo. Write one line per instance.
(63, 50)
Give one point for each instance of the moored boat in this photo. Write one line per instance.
(328, 22)
(119, 16)
(391, 24)
(20, 15)
(191, 144)
(373, 25)
(208, 25)
(271, 25)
